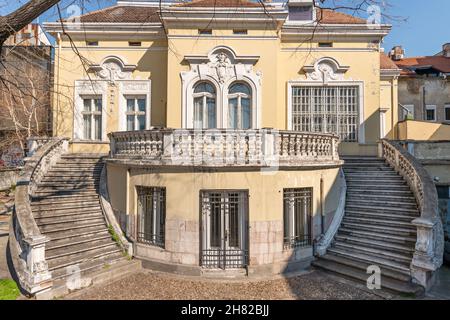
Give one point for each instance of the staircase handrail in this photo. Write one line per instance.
(429, 248)
(26, 243)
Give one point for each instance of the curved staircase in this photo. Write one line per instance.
(67, 210)
(376, 228)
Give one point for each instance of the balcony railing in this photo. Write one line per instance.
(219, 148)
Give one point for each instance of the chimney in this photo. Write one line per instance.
(446, 50)
(397, 53)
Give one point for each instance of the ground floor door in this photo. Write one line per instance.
(224, 217)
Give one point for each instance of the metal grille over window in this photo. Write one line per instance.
(151, 215)
(224, 229)
(297, 217)
(331, 109)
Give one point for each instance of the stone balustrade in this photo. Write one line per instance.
(222, 148)
(429, 250)
(26, 243)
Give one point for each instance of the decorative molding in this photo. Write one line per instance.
(325, 69)
(221, 67)
(113, 68)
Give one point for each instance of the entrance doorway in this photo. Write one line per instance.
(224, 217)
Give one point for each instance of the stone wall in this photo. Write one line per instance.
(8, 178)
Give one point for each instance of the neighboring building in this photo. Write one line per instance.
(424, 85)
(223, 121)
(25, 92)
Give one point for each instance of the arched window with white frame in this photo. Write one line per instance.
(205, 106)
(240, 106)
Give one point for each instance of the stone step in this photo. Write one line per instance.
(72, 174)
(380, 229)
(64, 206)
(64, 193)
(387, 283)
(49, 217)
(80, 160)
(84, 155)
(407, 250)
(69, 181)
(85, 269)
(364, 265)
(67, 186)
(381, 198)
(383, 209)
(403, 240)
(80, 239)
(45, 222)
(80, 257)
(99, 223)
(379, 222)
(72, 171)
(75, 249)
(381, 203)
(393, 178)
(59, 200)
(377, 183)
(378, 192)
(71, 234)
(370, 170)
(383, 216)
(373, 260)
(378, 252)
(368, 165)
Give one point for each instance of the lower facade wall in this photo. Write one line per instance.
(182, 250)
(8, 178)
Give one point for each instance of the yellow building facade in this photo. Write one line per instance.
(147, 83)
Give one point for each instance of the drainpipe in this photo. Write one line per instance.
(55, 118)
(322, 215)
(424, 109)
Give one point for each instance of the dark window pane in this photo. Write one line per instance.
(300, 13)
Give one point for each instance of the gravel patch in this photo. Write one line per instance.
(148, 285)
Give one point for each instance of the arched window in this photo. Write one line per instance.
(205, 107)
(240, 106)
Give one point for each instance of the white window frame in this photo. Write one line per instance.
(86, 88)
(134, 88)
(92, 113)
(136, 113)
(345, 83)
(430, 107)
(301, 22)
(447, 106)
(204, 96)
(239, 96)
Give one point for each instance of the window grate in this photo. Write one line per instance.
(331, 109)
(297, 208)
(151, 215)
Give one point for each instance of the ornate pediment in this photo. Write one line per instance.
(112, 69)
(325, 70)
(221, 64)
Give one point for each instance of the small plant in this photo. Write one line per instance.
(8, 290)
(106, 266)
(13, 188)
(114, 235)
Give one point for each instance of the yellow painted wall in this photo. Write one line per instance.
(162, 62)
(183, 189)
(423, 131)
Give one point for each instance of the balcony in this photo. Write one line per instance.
(224, 148)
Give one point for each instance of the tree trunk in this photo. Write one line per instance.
(17, 20)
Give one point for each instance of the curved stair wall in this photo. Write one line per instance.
(26, 243)
(429, 248)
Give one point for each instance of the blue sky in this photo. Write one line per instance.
(420, 26)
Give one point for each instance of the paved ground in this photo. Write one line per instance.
(148, 285)
(441, 290)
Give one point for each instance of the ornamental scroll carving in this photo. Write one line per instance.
(325, 70)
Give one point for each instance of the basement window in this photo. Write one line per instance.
(135, 43)
(240, 31)
(205, 31)
(92, 43)
(297, 207)
(325, 44)
(151, 215)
